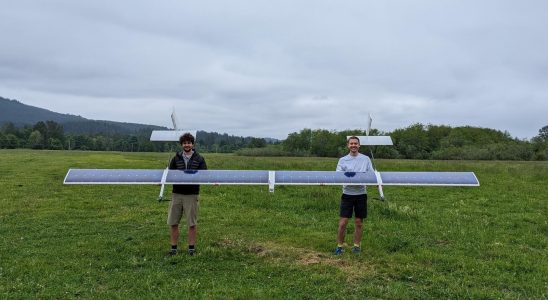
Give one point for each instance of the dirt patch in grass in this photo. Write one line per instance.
(348, 264)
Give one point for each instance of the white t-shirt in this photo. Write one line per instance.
(358, 163)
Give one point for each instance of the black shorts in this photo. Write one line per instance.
(356, 203)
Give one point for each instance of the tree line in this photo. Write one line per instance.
(51, 135)
(420, 141)
(417, 141)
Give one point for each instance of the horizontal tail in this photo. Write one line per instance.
(374, 140)
(169, 135)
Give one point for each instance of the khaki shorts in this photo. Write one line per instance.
(187, 204)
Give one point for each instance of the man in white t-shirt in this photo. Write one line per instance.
(354, 197)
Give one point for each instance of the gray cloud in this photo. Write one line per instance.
(266, 68)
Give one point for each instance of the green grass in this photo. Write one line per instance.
(423, 242)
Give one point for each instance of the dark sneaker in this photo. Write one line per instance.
(356, 249)
(338, 251)
(191, 252)
(172, 252)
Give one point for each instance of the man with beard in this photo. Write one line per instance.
(184, 198)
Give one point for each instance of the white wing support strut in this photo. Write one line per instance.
(163, 183)
(271, 181)
(379, 182)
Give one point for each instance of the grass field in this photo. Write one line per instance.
(423, 242)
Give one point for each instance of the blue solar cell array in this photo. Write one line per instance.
(325, 177)
(136, 176)
(217, 177)
(109, 176)
(429, 178)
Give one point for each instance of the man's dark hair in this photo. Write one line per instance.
(187, 137)
(353, 138)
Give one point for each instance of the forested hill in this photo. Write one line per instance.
(13, 111)
(25, 126)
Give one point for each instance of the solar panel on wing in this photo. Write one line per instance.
(216, 177)
(325, 178)
(429, 178)
(138, 176)
(110, 176)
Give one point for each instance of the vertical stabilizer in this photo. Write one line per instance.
(368, 125)
(174, 120)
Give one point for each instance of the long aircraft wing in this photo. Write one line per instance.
(271, 178)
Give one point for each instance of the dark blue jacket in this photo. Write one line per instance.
(196, 162)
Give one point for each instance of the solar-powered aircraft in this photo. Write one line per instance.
(170, 135)
(375, 140)
(271, 177)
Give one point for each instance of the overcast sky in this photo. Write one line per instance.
(269, 68)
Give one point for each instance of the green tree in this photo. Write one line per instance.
(133, 143)
(325, 143)
(543, 133)
(43, 130)
(36, 140)
(11, 141)
(298, 141)
(54, 132)
(257, 143)
(9, 128)
(540, 144)
(82, 142)
(55, 144)
(412, 142)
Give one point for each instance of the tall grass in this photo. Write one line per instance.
(423, 242)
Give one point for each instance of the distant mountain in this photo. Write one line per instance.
(21, 114)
